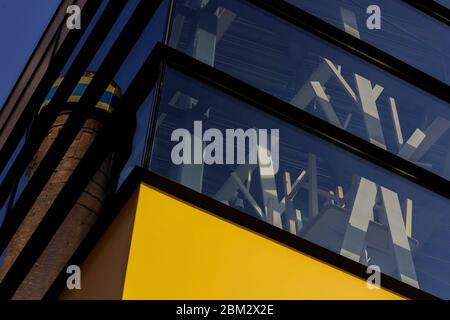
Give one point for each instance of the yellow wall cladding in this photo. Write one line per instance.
(181, 252)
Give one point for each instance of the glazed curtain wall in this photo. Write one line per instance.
(406, 33)
(312, 74)
(320, 192)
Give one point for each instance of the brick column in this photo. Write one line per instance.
(81, 217)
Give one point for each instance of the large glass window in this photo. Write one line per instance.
(206, 140)
(406, 33)
(312, 74)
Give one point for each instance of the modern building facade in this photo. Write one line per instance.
(230, 149)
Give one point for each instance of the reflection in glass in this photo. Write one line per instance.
(13, 158)
(23, 181)
(4, 210)
(319, 192)
(316, 76)
(2, 257)
(84, 37)
(406, 33)
(445, 3)
(113, 34)
(136, 154)
(153, 33)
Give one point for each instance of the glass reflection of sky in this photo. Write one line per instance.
(406, 33)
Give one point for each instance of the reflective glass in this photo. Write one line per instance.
(4, 211)
(312, 74)
(153, 33)
(2, 256)
(445, 3)
(22, 183)
(405, 32)
(83, 39)
(113, 34)
(13, 158)
(141, 125)
(301, 183)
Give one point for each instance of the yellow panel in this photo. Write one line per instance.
(181, 252)
(103, 271)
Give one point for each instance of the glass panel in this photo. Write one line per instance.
(153, 33)
(405, 32)
(13, 157)
(4, 211)
(303, 184)
(445, 3)
(318, 77)
(23, 181)
(2, 256)
(141, 126)
(83, 39)
(113, 34)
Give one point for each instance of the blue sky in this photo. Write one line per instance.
(22, 23)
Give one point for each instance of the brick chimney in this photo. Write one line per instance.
(87, 208)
